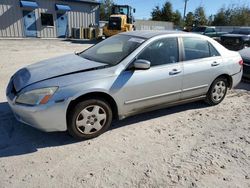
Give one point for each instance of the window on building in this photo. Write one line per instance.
(47, 19)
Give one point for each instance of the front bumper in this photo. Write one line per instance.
(50, 117)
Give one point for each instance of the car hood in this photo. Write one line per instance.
(245, 53)
(52, 68)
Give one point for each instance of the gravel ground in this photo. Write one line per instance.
(191, 145)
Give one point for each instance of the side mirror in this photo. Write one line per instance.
(141, 64)
(134, 10)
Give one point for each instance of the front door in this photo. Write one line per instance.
(62, 25)
(158, 85)
(29, 23)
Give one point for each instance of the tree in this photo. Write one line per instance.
(240, 16)
(105, 9)
(220, 18)
(167, 12)
(189, 22)
(210, 20)
(156, 14)
(176, 18)
(236, 16)
(200, 16)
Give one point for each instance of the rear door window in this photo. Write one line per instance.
(196, 48)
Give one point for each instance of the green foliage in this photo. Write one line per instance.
(156, 14)
(234, 16)
(200, 16)
(105, 9)
(176, 18)
(189, 19)
(166, 14)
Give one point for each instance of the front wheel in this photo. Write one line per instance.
(217, 91)
(89, 119)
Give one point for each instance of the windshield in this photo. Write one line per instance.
(242, 31)
(199, 29)
(113, 50)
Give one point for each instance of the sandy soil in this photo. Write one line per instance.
(192, 145)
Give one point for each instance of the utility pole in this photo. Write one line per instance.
(185, 8)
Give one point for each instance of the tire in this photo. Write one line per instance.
(89, 119)
(217, 91)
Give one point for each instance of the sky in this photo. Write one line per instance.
(144, 7)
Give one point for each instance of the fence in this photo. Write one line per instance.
(153, 25)
(227, 28)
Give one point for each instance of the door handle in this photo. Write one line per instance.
(174, 72)
(214, 64)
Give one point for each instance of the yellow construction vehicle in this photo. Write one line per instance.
(120, 20)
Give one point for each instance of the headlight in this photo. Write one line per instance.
(37, 96)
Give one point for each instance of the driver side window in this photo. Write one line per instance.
(161, 52)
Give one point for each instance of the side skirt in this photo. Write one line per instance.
(161, 106)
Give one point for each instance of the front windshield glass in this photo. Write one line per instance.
(113, 50)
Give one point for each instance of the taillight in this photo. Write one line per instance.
(241, 62)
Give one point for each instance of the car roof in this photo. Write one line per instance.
(150, 33)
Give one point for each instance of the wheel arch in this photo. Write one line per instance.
(227, 77)
(91, 95)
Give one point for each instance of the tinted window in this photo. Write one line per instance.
(161, 52)
(195, 48)
(47, 19)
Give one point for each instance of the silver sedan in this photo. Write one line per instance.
(124, 75)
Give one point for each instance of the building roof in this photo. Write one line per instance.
(84, 1)
(151, 33)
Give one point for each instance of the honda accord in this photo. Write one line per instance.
(126, 74)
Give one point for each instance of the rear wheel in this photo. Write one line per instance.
(217, 91)
(89, 119)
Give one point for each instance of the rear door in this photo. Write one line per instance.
(201, 65)
(29, 23)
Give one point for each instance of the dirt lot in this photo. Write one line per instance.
(191, 145)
